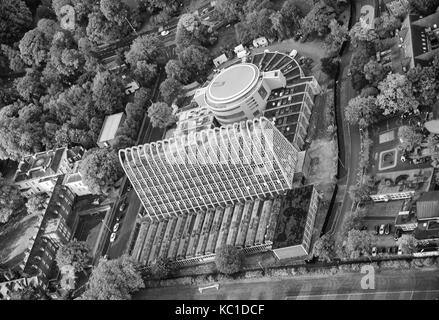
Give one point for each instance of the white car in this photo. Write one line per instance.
(164, 33)
(374, 251)
(293, 53)
(382, 227)
(113, 237)
(116, 227)
(399, 250)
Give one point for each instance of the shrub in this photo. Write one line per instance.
(228, 259)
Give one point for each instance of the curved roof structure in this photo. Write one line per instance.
(232, 83)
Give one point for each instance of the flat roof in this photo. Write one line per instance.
(233, 81)
(110, 126)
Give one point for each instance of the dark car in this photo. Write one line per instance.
(363, 228)
(377, 229)
(387, 228)
(398, 233)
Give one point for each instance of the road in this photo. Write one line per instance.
(401, 285)
(350, 137)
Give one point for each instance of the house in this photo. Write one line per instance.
(220, 60)
(109, 129)
(38, 173)
(292, 238)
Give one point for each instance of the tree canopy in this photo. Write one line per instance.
(100, 169)
(10, 199)
(15, 20)
(75, 254)
(228, 259)
(114, 279)
(161, 115)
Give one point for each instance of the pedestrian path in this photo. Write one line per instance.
(369, 295)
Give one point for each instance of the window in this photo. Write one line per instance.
(262, 92)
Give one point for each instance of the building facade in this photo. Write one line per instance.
(239, 92)
(243, 161)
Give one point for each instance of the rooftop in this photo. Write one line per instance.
(110, 126)
(39, 165)
(290, 227)
(427, 206)
(233, 82)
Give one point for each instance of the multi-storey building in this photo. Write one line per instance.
(214, 167)
(38, 173)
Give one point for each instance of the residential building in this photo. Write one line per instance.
(295, 223)
(109, 129)
(214, 167)
(38, 173)
(396, 6)
(419, 40)
(220, 60)
(56, 229)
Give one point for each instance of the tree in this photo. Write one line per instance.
(361, 111)
(108, 91)
(359, 243)
(424, 84)
(100, 30)
(37, 204)
(161, 115)
(161, 268)
(16, 64)
(353, 221)
(424, 7)
(114, 280)
(291, 16)
(192, 31)
(100, 169)
(142, 96)
(330, 66)
(396, 95)
(261, 23)
(64, 55)
(228, 259)
(362, 32)
(386, 24)
(48, 27)
(324, 248)
(196, 60)
(334, 40)
(175, 69)
(122, 142)
(170, 89)
(244, 33)
(29, 292)
(10, 199)
(145, 48)
(374, 72)
(34, 47)
(317, 20)
(408, 243)
(29, 87)
(409, 137)
(114, 10)
(278, 25)
(15, 20)
(229, 10)
(75, 254)
(145, 73)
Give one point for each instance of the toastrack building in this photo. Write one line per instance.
(215, 167)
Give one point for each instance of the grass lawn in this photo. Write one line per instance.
(15, 238)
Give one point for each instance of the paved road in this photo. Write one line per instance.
(401, 285)
(350, 139)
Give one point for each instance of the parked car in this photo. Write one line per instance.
(374, 251)
(399, 250)
(389, 250)
(164, 33)
(377, 229)
(129, 188)
(387, 229)
(363, 228)
(293, 53)
(382, 227)
(116, 227)
(123, 206)
(113, 237)
(398, 233)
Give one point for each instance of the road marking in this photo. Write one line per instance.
(356, 295)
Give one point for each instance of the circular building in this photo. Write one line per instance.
(239, 92)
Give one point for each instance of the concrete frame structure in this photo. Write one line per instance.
(215, 167)
(239, 92)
